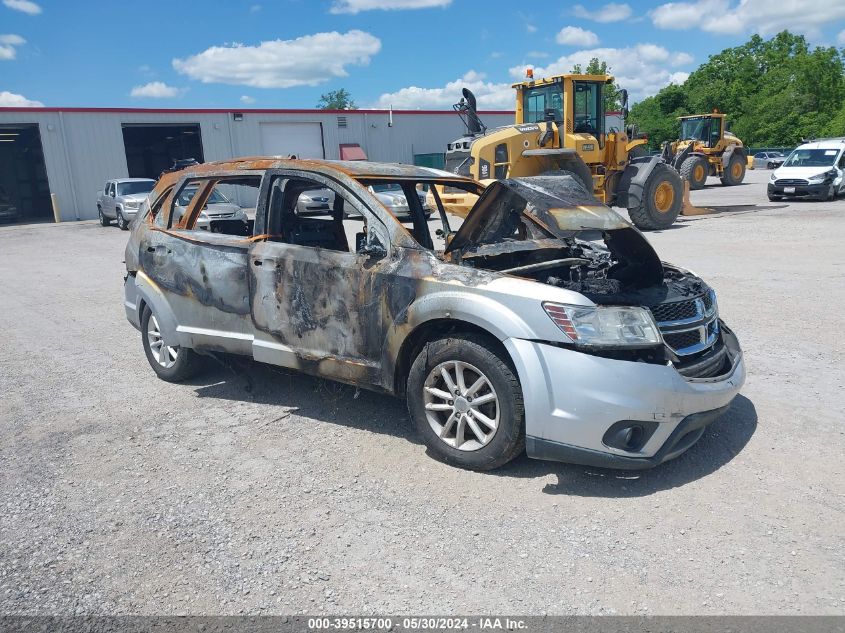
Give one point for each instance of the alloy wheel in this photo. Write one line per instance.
(164, 355)
(461, 405)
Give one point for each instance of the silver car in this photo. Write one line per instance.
(768, 160)
(545, 324)
(120, 200)
(217, 207)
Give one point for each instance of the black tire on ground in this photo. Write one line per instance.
(695, 170)
(577, 168)
(188, 362)
(485, 355)
(735, 171)
(104, 221)
(122, 224)
(770, 165)
(661, 199)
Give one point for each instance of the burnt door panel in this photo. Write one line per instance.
(204, 281)
(318, 311)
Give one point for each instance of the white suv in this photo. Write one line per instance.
(812, 170)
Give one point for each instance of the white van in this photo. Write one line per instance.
(812, 170)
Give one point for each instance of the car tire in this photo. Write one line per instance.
(770, 165)
(830, 196)
(480, 436)
(173, 364)
(122, 224)
(735, 173)
(104, 221)
(695, 170)
(660, 202)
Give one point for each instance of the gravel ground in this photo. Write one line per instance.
(255, 490)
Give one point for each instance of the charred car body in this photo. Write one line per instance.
(545, 323)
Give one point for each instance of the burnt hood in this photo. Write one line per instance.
(559, 204)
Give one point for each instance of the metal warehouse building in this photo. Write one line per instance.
(70, 152)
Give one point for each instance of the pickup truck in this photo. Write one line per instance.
(120, 200)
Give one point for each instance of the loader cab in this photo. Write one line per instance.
(706, 129)
(575, 103)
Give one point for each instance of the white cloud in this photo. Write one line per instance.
(305, 61)
(530, 28)
(23, 5)
(576, 36)
(611, 12)
(247, 99)
(840, 39)
(537, 54)
(12, 100)
(8, 44)
(155, 90)
(491, 96)
(749, 16)
(355, 6)
(643, 68)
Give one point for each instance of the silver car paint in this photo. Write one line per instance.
(570, 397)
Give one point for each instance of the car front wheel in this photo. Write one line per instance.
(122, 224)
(170, 362)
(466, 402)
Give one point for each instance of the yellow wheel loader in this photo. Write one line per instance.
(560, 130)
(707, 148)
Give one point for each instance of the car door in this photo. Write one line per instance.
(108, 201)
(201, 274)
(318, 304)
(840, 166)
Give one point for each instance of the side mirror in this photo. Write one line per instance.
(623, 96)
(372, 249)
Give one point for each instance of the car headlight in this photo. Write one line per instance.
(605, 326)
(132, 204)
(827, 176)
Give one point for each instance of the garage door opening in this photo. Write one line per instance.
(24, 190)
(150, 149)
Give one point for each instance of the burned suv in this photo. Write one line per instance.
(544, 323)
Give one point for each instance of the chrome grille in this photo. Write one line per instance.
(790, 182)
(689, 326)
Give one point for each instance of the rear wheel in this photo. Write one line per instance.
(104, 221)
(695, 170)
(466, 402)
(660, 202)
(170, 362)
(735, 171)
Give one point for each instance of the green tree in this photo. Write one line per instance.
(775, 92)
(612, 99)
(337, 100)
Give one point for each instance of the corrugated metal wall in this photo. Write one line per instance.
(84, 149)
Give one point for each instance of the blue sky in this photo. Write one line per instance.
(414, 54)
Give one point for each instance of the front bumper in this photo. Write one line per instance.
(801, 191)
(573, 399)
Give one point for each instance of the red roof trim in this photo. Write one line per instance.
(245, 111)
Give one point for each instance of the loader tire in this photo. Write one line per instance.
(578, 169)
(638, 151)
(735, 172)
(695, 170)
(661, 200)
